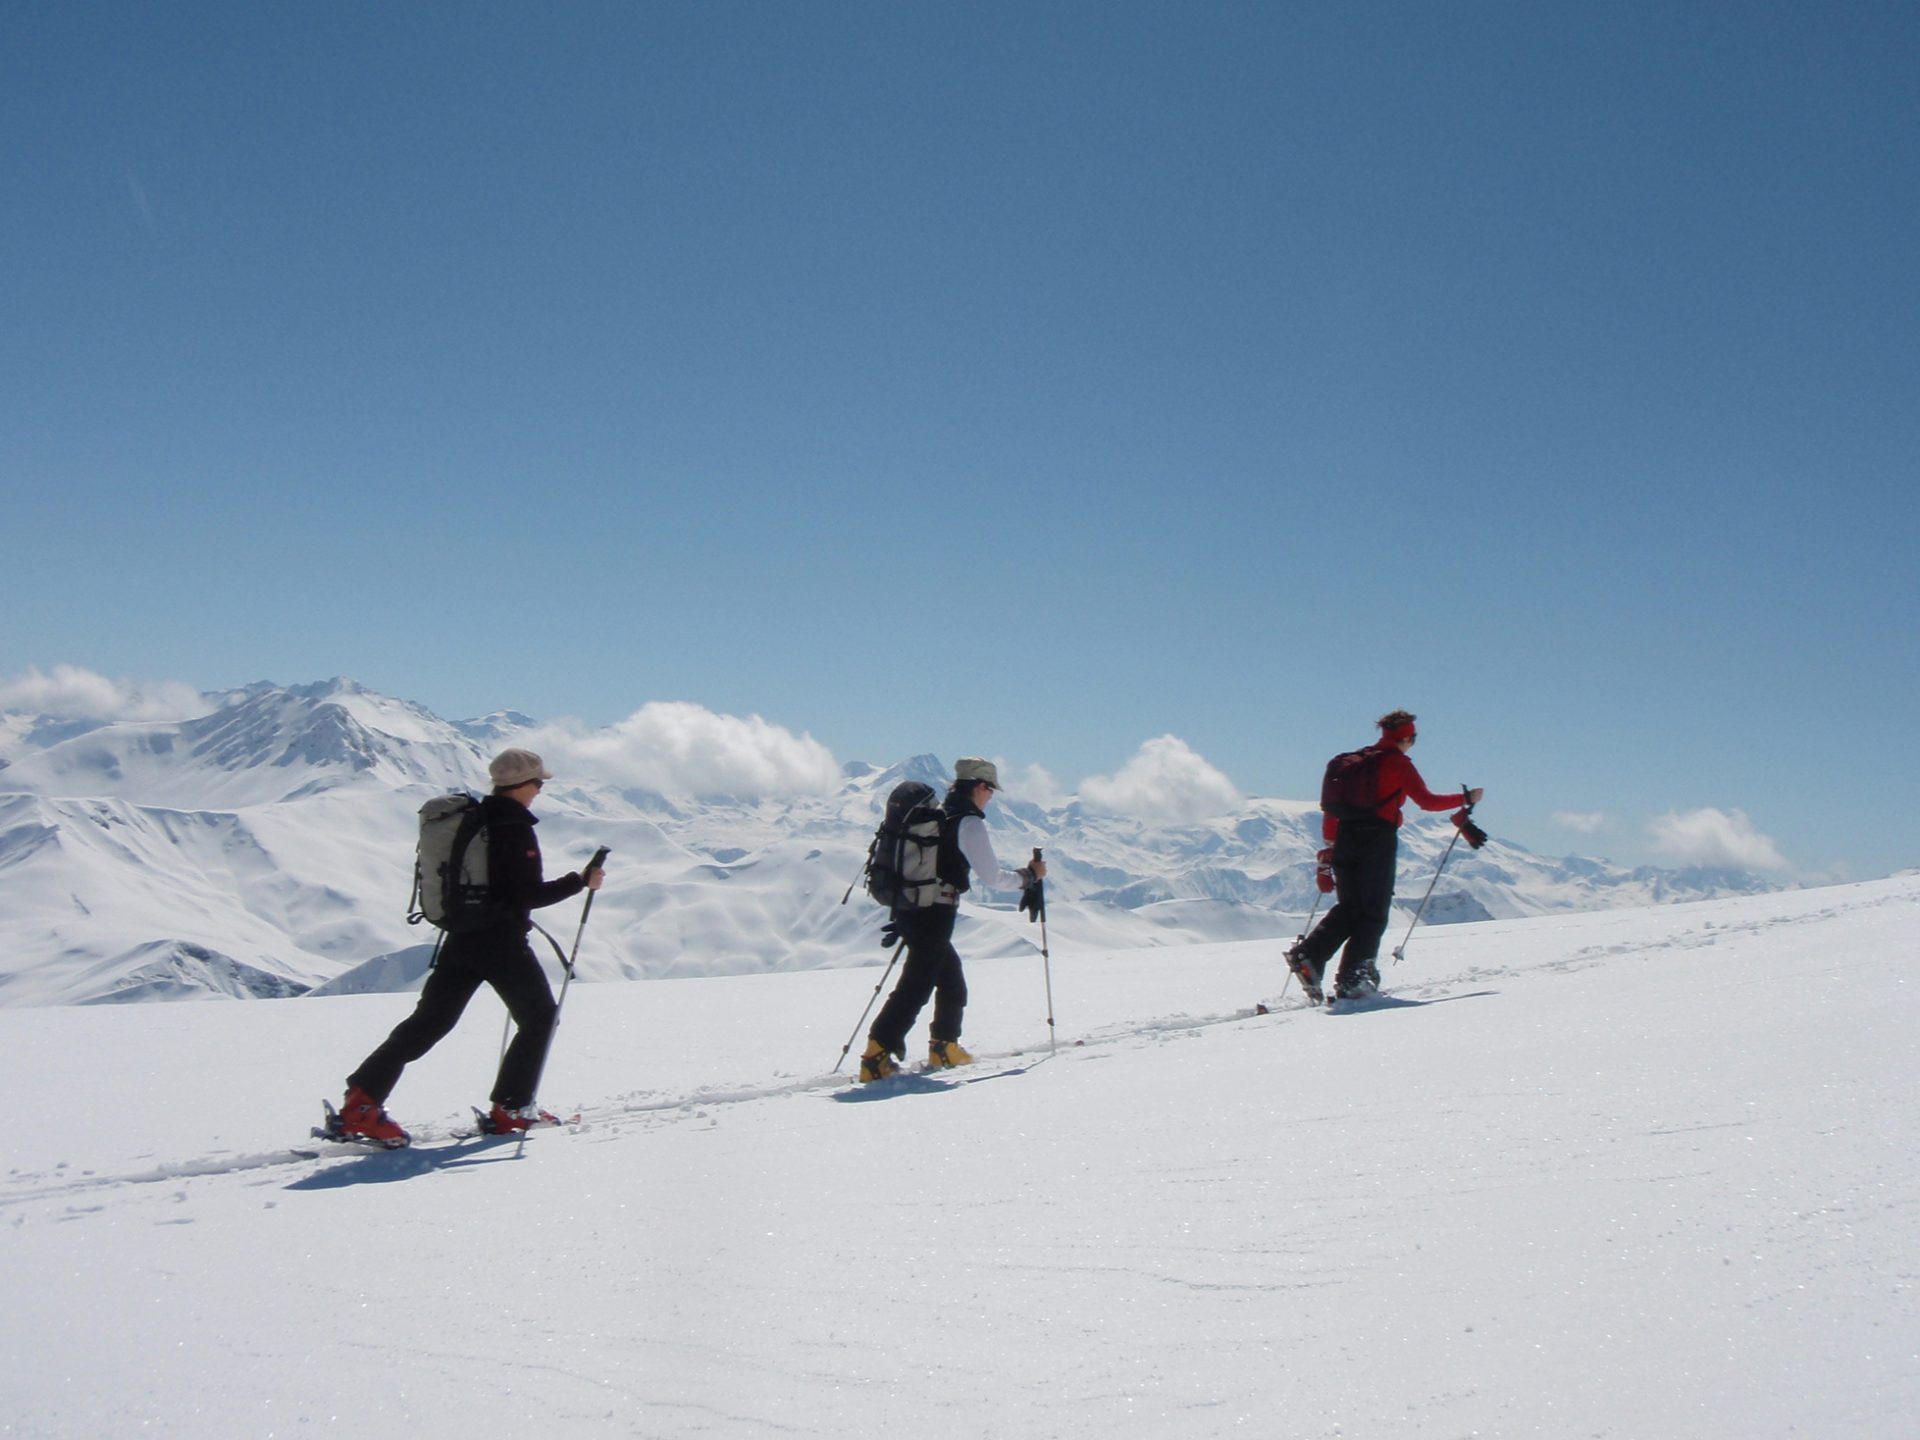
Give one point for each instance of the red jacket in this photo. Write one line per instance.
(1399, 782)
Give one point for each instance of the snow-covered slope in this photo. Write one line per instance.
(1624, 1174)
(265, 848)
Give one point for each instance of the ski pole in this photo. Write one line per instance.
(891, 960)
(1039, 908)
(598, 862)
(1400, 950)
(566, 961)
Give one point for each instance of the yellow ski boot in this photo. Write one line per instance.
(876, 1064)
(945, 1054)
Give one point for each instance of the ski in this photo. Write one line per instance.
(335, 1134)
(1275, 1007)
(348, 1145)
(483, 1125)
(1351, 1004)
(926, 1080)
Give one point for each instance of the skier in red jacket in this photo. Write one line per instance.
(1365, 850)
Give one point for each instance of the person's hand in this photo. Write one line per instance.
(594, 878)
(1469, 832)
(1037, 868)
(1473, 795)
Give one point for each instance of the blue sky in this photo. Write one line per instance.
(1028, 380)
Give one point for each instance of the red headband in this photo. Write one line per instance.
(1403, 731)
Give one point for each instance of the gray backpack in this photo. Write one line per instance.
(450, 888)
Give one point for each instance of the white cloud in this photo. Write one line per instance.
(1587, 822)
(678, 748)
(71, 693)
(1165, 783)
(1035, 784)
(1718, 839)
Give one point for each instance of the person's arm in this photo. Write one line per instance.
(1408, 779)
(974, 843)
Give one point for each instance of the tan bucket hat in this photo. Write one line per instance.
(516, 767)
(980, 772)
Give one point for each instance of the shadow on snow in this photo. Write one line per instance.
(1398, 1002)
(382, 1167)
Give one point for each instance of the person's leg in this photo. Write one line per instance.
(1318, 945)
(926, 948)
(1372, 910)
(522, 984)
(450, 985)
(1309, 955)
(949, 982)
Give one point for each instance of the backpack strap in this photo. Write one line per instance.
(471, 824)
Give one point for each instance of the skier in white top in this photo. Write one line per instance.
(933, 965)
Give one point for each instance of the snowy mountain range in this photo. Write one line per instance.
(264, 849)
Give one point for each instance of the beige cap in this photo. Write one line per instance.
(516, 767)
(980, 772)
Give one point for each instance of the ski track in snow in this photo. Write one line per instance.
(437, 1147)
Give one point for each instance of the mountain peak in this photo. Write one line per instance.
(338, 686)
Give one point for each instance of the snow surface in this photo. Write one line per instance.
(1635, 1173)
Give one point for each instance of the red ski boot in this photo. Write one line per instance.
(361, 1118)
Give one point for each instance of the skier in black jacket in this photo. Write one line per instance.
(498, 956)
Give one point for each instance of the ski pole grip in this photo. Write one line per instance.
(599, 861)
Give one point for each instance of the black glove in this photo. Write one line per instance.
(1033, 900)
(1469, 832)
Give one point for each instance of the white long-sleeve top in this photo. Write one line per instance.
(971, 836)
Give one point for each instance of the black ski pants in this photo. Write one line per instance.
(932, 968)
(502, 959)
(1365, 854)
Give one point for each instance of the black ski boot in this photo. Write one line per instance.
(1308, 972)
(1363, 984)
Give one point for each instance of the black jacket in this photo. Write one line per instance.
(513, 865)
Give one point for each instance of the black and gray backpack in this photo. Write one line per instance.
(903, 860)
(450, 888)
